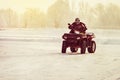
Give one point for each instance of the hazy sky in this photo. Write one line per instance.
(21, 5)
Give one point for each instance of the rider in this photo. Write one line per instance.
(77, 26)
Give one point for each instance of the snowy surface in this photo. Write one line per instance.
(35, 54)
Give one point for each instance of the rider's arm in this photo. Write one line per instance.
(71, 26)
(84, 26)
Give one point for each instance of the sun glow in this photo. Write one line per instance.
(21, 5)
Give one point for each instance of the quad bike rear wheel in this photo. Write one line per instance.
(73, 49)
(83, 47)
(92, 47)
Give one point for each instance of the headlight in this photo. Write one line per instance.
(78, 37)
(77, 32)
(64, 37)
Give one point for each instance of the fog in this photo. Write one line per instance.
(61, 12)
(35, 54)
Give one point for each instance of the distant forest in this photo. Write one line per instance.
(60, 13)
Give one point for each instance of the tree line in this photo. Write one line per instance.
(60, 13)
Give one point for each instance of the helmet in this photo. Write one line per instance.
(77, 19)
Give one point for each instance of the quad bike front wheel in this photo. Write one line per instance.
(92, 47)
(83, 47)
(64, 47)
(73, 49)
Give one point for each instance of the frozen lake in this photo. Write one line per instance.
(36, 55)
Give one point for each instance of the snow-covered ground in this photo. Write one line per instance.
(35, 54)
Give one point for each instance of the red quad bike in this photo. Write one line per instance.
(75, 41)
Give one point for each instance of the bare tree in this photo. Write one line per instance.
(34, 18)
(59, 13)
(85, 13)
(9, 18)
(107, 16)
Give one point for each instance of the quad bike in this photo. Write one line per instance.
(75, 41)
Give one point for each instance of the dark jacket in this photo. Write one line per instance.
(78, 27)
